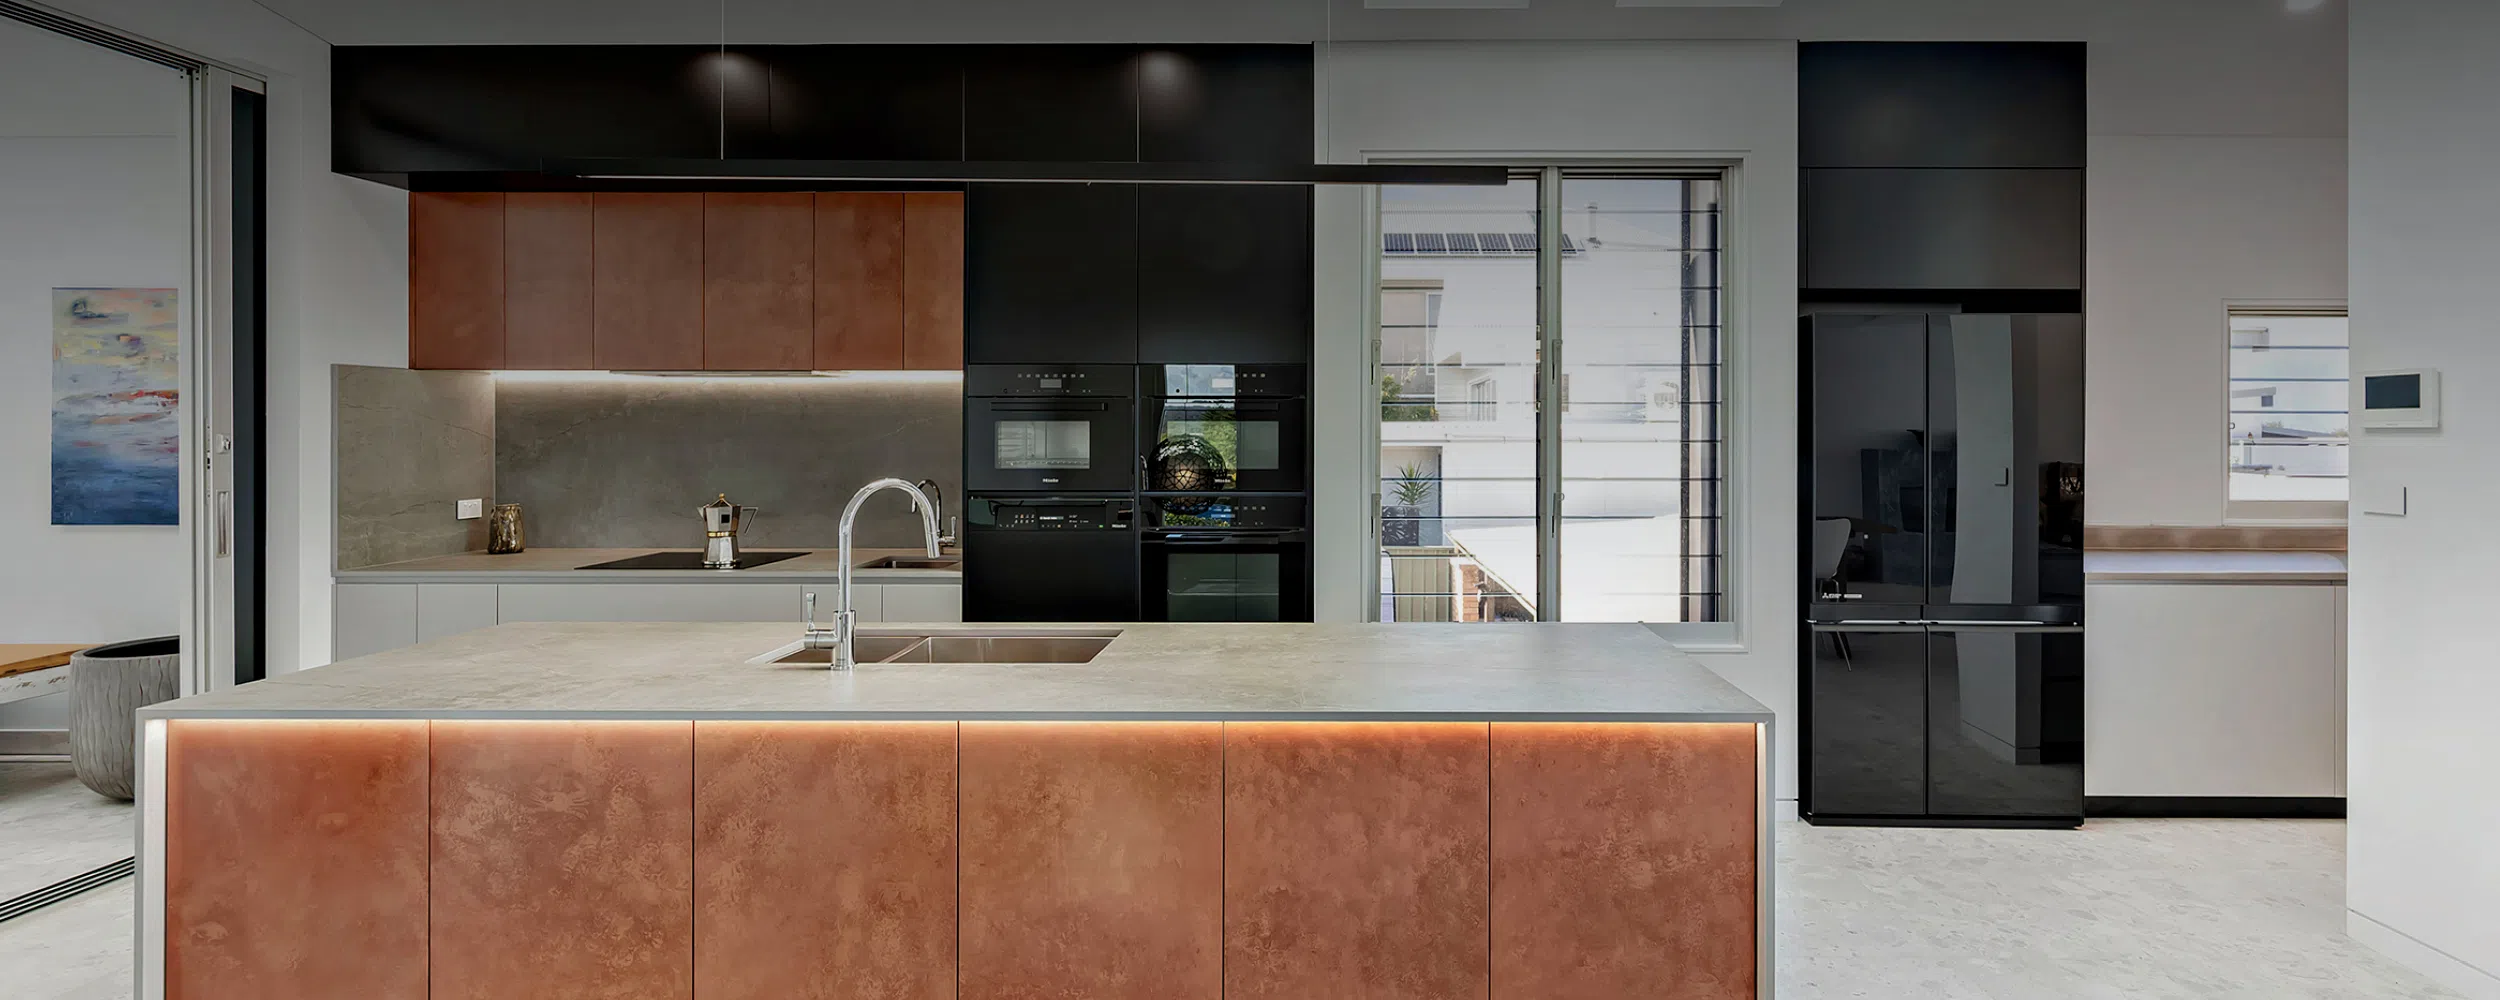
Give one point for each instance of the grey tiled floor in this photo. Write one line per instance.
(52, 827)
(2139, 910)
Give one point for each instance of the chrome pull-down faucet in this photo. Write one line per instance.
(838, 638)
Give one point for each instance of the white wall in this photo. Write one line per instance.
(338, 285)
(2423, 874)
(94, 192)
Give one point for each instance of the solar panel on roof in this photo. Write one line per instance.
(1523, 242)
(1397, 243)
(1568, 246)
(1493, 242)
(1461, 242)
(1430, 243)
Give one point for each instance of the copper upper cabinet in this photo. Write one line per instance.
(455, 279)
(859, 280)
(647, 300)
(933, 280)
(759, 281)
(547, 280)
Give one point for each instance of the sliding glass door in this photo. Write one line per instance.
(1551, 404)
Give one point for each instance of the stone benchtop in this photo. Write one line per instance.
(1342, 672)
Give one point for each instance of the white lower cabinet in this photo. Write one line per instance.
(924, 602)
(445, 609)
(2214, 689)
(374, 617)
(371, 618)
(647, 602)
(867, 602)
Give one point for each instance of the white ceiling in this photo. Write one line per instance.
(442, 22)
(364, 22)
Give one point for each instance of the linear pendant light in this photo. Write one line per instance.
(1031, 172)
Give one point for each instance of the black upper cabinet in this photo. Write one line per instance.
(1225, 104)
(1944, 230)
(1050, 274)
(402, 109)
(1941, 104)
(1224, 275)
(1052, 103)
(860, 102)
(478, 109)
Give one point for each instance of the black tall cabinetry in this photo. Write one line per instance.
(1944, 568)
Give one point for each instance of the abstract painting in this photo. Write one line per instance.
(116, 386)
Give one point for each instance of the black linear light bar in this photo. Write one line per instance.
(978, 171)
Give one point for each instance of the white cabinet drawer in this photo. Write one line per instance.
(452, 608)
(370, 618)
(867, 602)
(924, 602)
(647, 602)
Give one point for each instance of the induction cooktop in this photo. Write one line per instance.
(690, 560)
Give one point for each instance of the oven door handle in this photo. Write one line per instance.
(1227, 538)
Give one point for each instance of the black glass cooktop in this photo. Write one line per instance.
(690, 560)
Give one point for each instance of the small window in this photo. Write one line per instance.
(2290, 421)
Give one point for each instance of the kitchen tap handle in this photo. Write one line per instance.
(811, 611)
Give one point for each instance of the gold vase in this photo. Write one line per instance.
(503, 529)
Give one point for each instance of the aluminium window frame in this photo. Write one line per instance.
(2260, 513)
(1727, 632)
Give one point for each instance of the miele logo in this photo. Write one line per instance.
(1048, 479)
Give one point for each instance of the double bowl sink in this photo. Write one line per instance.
(968, 645)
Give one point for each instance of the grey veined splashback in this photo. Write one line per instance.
(625, 462)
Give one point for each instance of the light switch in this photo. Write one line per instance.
(472, 508)
(2382, 499)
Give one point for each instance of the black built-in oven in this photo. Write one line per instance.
(1050, 559)
(1223, 428)
(1227, 558)
(1049, 428)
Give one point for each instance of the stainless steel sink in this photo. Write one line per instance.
(910, 562)
(966, 646)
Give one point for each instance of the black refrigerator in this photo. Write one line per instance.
(1942, 570)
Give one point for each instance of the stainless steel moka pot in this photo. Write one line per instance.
(722, 521)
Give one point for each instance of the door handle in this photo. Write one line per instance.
(225, 523)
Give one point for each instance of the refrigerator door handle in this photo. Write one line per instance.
(2025, 627)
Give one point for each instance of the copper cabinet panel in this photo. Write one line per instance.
(1624, 861)
(859, 281)
(647, 301)
(1354, 861)
(824, 860)
(547, 280)
(759, 281)
(295, 859)
(933, 280)
(1093, 860)
(563, 860)
(455, 279)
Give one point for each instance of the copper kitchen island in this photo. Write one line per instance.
(1188, 811)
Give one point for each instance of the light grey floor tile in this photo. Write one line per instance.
(76, 949)
(52, 827)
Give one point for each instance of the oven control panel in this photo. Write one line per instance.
(1045, 514)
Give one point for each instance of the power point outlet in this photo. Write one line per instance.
(472, 508)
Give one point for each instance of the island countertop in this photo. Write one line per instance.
(1263, 672)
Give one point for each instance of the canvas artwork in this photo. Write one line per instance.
(116, 383)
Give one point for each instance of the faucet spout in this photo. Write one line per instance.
(838, 638)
